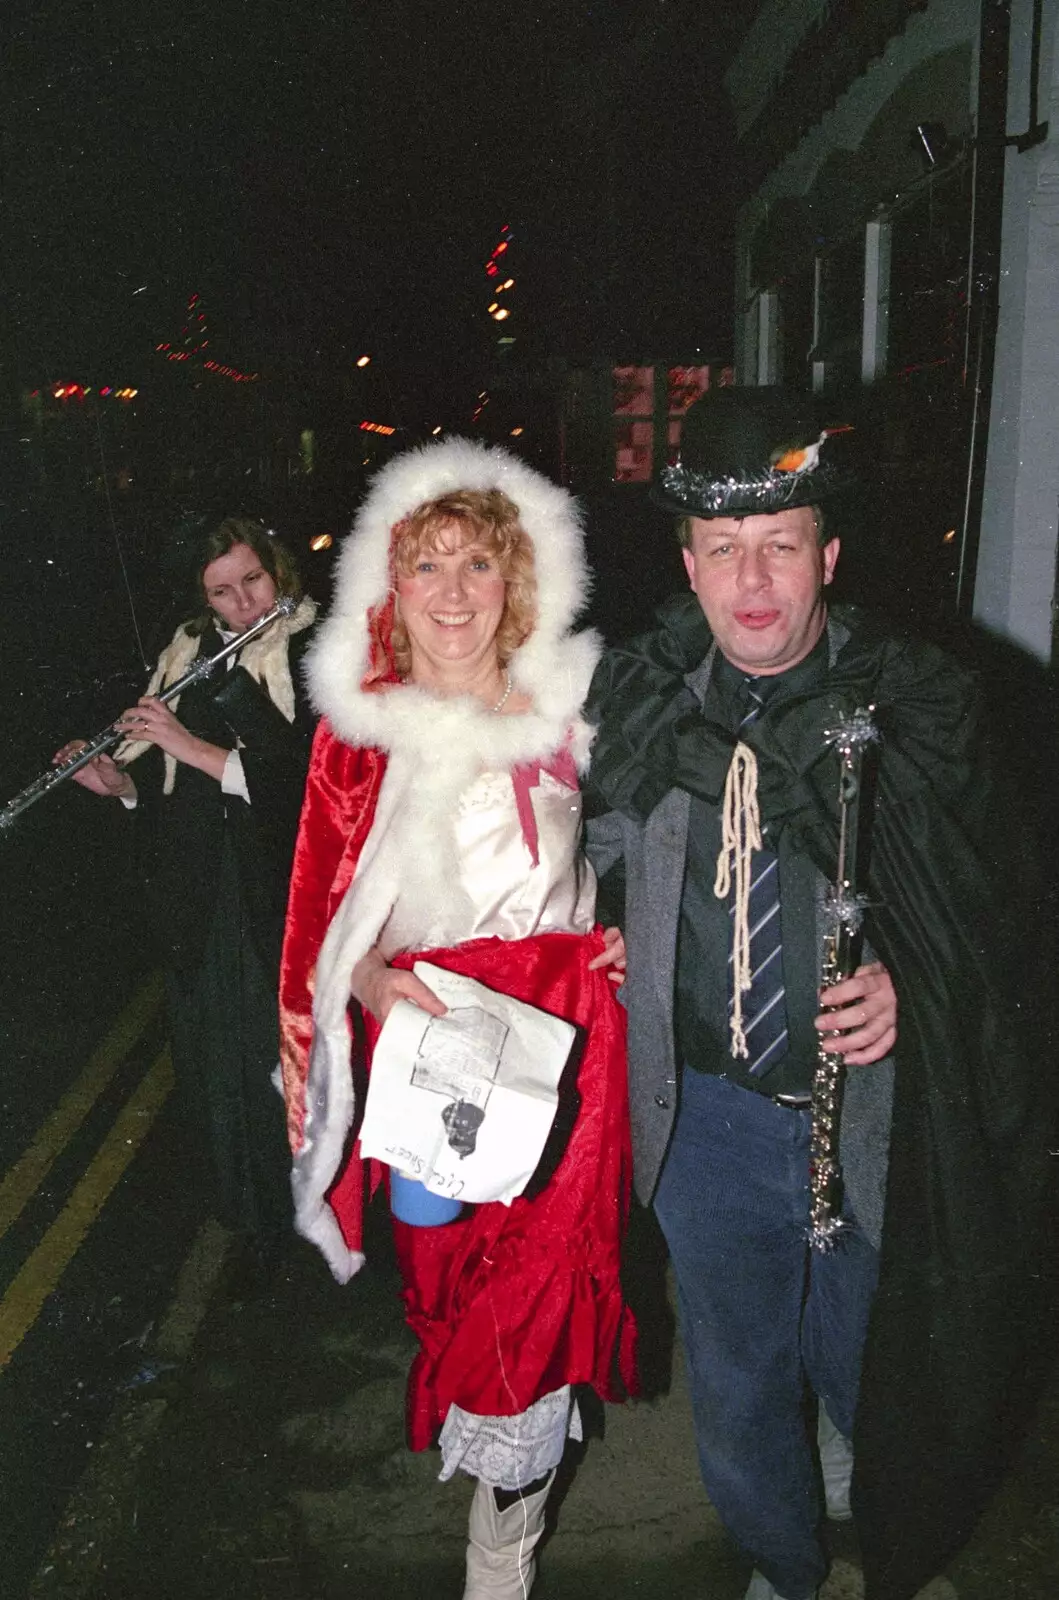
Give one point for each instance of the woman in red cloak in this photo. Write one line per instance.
(442, 815)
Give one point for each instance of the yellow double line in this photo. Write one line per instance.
(40, 1273)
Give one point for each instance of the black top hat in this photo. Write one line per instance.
(745, 452)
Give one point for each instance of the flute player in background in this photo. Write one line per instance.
(214, 793)
(910, 1337)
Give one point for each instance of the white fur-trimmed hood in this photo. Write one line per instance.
(553, 667)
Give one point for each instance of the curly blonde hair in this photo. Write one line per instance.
(485, 517)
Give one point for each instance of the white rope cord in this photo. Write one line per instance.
(741, 836)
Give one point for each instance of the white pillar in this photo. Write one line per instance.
(1016, 576)
(876, 329)
(768, 343)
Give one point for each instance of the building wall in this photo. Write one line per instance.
(943, 26)
(1016, 578)
(766, 49)
(928, 69)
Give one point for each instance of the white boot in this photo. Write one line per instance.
(836, 1467)
(761, 1589)
(500, 1561)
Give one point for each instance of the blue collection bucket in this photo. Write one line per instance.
(411, 1202)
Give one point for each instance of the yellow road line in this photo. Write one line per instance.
(41, 1272)
(25, 1177)
(95, 1525)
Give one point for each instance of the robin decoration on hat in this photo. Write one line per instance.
(748, 452)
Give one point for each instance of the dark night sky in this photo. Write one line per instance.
(331, 176)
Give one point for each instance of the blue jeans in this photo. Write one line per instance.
(765, 1321)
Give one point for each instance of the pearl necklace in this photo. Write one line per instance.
(507, 690)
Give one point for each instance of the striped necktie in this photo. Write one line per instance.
(764, 1007)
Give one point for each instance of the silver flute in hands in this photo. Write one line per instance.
(113, 735)
(843, 914)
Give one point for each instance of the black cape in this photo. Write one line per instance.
(958, 911)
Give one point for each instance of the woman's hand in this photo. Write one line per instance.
(379, 987)
(864, 1008)
(152, 720)
(101, 775)
(612, 955)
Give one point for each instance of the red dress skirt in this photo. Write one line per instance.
(511, 1302)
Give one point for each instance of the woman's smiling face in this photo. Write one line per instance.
(451, 605)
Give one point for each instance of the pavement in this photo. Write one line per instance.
(261, 1456)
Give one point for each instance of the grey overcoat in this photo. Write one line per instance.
(654, 855)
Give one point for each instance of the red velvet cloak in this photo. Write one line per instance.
(508, 1302)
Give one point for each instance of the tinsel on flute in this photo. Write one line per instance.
(843, 911)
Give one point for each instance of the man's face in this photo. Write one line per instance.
(759, 581)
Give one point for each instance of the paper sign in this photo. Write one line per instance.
(465, 1102)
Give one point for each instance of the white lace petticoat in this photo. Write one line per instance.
(509, 1452)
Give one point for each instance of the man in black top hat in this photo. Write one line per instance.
(942, 1194)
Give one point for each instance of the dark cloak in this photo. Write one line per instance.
(959, 911)
(216, 873)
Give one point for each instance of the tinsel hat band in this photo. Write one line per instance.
(746, 452)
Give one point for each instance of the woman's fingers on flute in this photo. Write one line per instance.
(89, 776)
(151, 719)
(135, 720)
(68, 751)
(101, 775)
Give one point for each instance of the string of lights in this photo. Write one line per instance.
(501, 282)
(194, 340)
(79, 391)
(500, 309)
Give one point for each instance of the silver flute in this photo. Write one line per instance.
(843, 914)
(113, 735)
